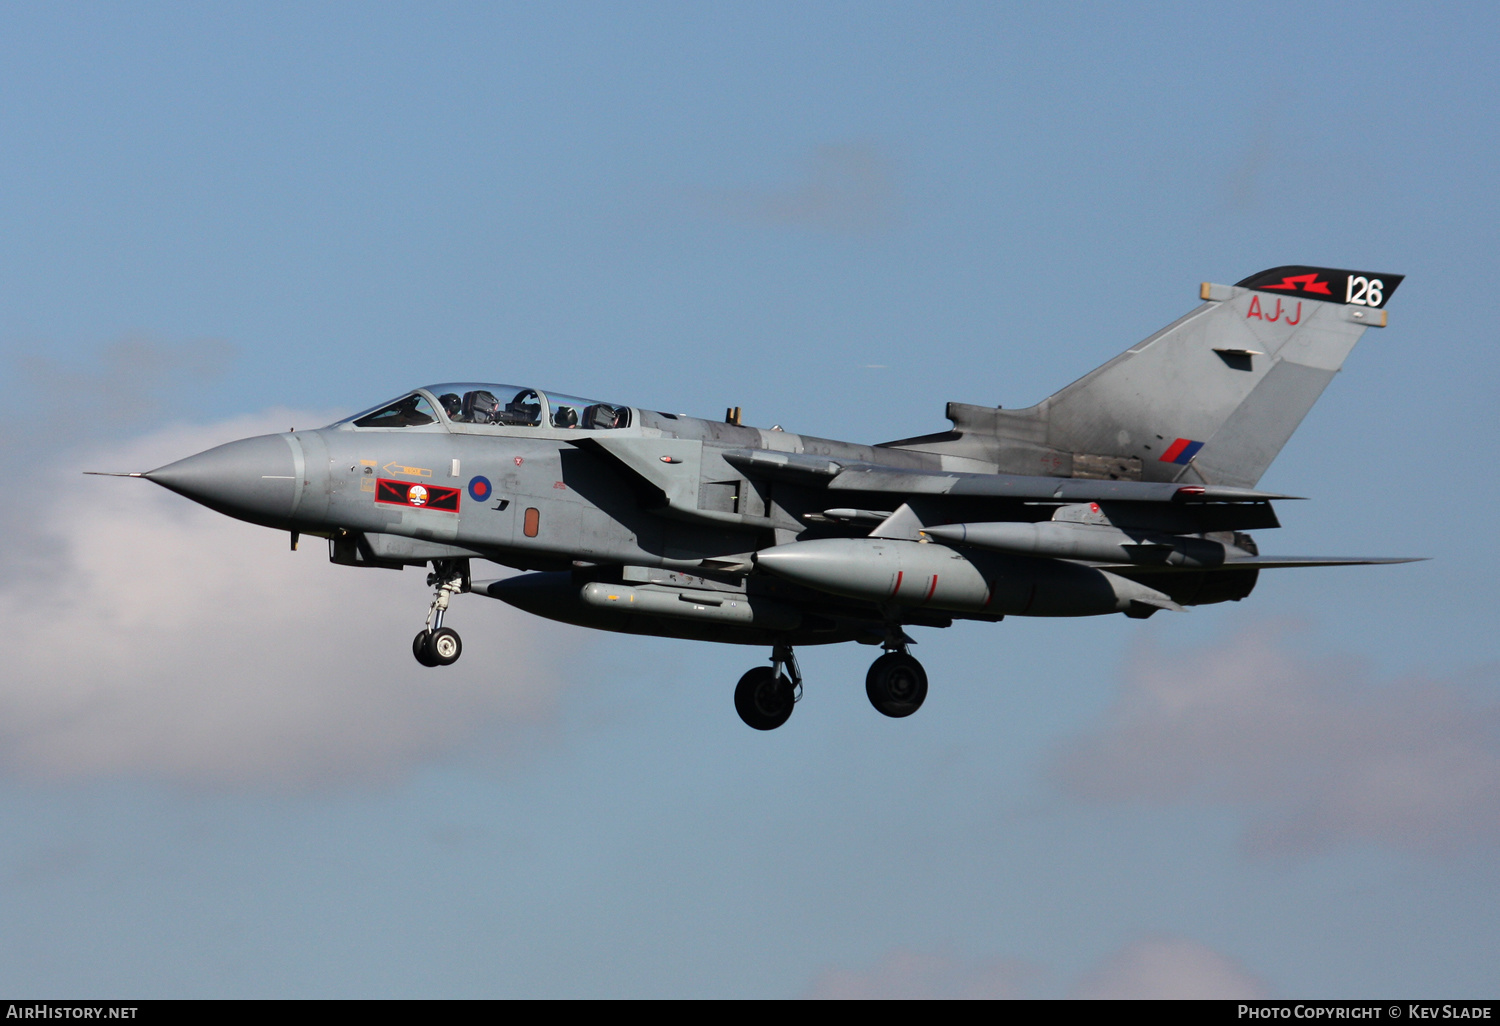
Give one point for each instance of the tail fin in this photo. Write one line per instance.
(1209, 399)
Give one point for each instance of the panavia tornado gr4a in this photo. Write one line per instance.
(1130, 491)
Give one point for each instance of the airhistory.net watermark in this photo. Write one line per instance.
(44, 1010)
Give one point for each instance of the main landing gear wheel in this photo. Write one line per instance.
(896, 684)
(764, 698)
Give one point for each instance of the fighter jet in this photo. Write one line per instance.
(1131, 491)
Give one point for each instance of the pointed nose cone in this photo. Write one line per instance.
(255, 479)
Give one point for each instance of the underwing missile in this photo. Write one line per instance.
(715, 606)
(559, 597)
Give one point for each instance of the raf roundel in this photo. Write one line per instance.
(479, 488)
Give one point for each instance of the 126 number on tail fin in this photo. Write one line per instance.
(1370, 291)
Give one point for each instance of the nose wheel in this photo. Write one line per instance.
(441, 647)
(436, 645)
(419, 648)
(765, 695)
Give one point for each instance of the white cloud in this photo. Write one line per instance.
(1170, 968)
(1316, 753)
(167, 641)
(911, 975)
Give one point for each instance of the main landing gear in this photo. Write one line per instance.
(765, 696)
(436, 645)
(896, 685)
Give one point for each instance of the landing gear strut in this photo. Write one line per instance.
(896, 683)
(436, 645)
(765, 696)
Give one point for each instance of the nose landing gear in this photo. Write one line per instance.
(765, 696)
(896, 683)
(436, 645)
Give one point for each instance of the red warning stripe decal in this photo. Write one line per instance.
(416, 496)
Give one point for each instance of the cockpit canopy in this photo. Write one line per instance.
(487, 404)
(490, 404)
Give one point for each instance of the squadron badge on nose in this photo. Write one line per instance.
(404, 493)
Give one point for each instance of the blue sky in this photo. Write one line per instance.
(222, 774)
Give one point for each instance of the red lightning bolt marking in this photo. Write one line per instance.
(1305, 282)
